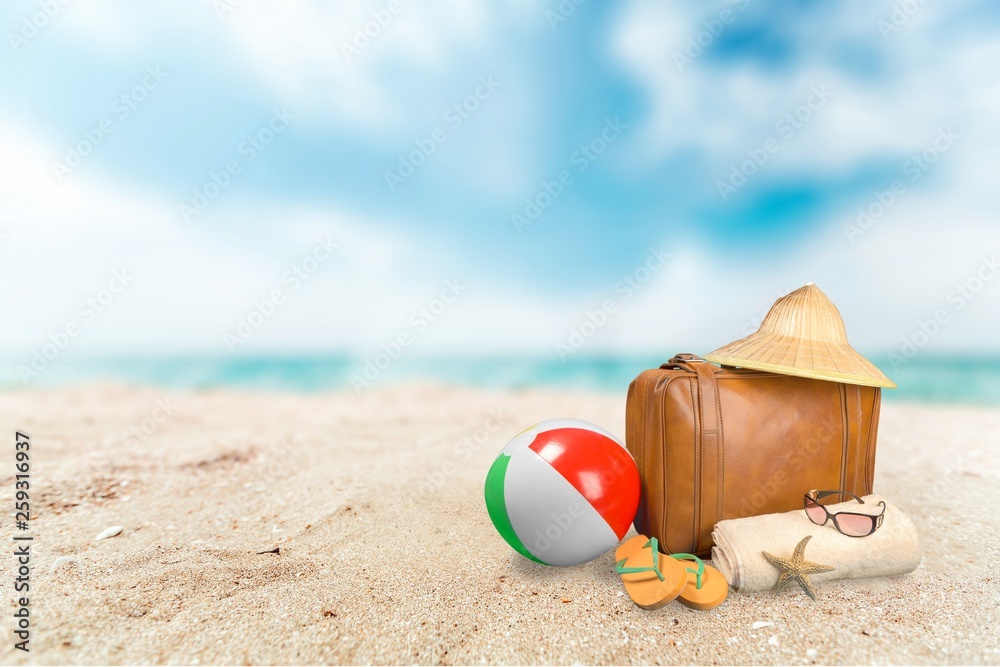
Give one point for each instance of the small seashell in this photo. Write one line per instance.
(773, 641)
(62, 560)
(811, 653)
(110, 532)
(757, 625)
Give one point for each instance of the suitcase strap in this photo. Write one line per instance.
(709, 458)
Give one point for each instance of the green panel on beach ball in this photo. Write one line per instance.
(497, 508)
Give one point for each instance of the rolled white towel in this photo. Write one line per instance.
(892, 549)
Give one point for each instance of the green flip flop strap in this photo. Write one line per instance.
(698, 572)
(621, 569)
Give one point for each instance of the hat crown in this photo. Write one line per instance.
(802, 335)
(806, 314)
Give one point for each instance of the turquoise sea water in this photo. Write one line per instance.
(971, 380)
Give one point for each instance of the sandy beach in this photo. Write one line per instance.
(387, 555)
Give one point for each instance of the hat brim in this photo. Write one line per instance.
(790, 356)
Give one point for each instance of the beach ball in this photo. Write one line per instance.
(563, 492)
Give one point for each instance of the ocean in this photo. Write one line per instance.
(958, 379)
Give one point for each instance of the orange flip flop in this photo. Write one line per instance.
(706, 587)
(652, 579)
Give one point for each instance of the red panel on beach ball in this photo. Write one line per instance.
(599, 468)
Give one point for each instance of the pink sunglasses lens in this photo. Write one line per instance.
(815, 512)
(854, 525)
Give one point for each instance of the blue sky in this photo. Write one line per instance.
(690, 90)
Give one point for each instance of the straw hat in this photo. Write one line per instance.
(803, 334)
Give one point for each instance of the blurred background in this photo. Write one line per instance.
(307, 195)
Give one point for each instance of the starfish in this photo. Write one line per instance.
(797, 568)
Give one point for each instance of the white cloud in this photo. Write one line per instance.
(383, 95)
(921, 80)
(64, 241)
(314, 58)
(295, 48)
(395, 88)
(193, 283)
(898, 272)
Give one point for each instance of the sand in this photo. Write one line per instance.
(387, 554)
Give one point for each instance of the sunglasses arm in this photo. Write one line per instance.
(819, 495)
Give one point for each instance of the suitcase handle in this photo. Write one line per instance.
(683, 361)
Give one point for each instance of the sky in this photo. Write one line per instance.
(464, 177)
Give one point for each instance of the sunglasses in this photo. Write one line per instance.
(852, 524)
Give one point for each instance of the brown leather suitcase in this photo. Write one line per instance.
(717, 443)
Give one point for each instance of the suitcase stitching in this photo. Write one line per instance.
(666, 515)
(857, 402)
(872, 428)
(663, 425)
(641, 445)
(696, 448)
(721, 453)
(645, 452)
(845, 430)
(720, 472)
